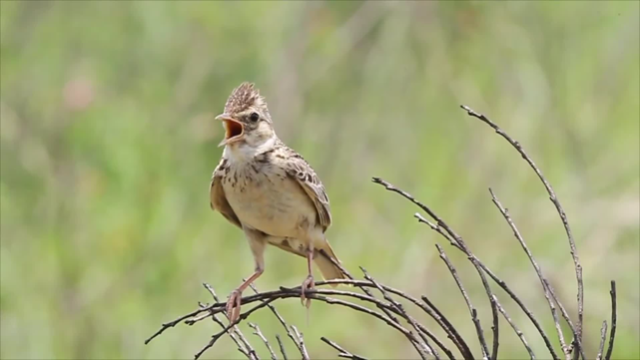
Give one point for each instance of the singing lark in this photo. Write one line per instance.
(269, 191)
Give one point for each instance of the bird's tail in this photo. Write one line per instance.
(327, 268)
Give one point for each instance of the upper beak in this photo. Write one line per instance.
(233, 129)
(224, 116)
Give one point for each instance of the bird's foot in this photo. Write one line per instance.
(233, 305)
(307, 284)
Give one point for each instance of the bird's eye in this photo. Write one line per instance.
(254, 117)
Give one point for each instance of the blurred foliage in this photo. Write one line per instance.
(108, 143)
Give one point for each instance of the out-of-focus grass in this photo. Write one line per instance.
(107, 145)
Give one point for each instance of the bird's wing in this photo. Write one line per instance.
(298, 169)
(217, 198)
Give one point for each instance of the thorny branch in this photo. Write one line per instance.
(395, 314)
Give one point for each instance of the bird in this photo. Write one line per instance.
(270, 192)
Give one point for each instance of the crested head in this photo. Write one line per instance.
(246, 119)
(245, 97)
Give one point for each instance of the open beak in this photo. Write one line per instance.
(234, 130)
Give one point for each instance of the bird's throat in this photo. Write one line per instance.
(246, 150)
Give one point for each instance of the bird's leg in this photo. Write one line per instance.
(257, 245)
(308, 283)
(235, 299)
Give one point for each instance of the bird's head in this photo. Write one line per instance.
(246, 118)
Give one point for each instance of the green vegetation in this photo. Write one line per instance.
(108, 142)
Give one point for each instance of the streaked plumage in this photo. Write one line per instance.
(268, 190)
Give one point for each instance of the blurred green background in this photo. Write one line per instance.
(108, 143)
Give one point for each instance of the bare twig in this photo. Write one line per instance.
(282, 322)
(576, 345)
(543, 280)
(235, 330)
(450, 330)
(454, 237)
(259, 334)
(342, 352)
(364, 289)
(408, 334)
(472, 309)
(171, 324)
(201, 309)
(217, 336)
(423, 346)
(318, 294)
(556, 203)
(281, 345)
(614, 319)
(516, 329)
(300, 341)
(387, 312)
(453, 241)
(430, 309)
(241, 348)
(462, 246)
(603, 337)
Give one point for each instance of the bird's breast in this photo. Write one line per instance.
(265, 198)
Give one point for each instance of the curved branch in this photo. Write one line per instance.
(393, 311)
(543, 280)
(453, 237)
(472, 309)
(438, 227)
(556, 203)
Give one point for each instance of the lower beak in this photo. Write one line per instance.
(234, 130)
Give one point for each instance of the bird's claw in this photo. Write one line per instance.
(307, 284)
(233, 306)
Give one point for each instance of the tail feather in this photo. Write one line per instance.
(327, 268)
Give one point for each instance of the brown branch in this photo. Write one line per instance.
(524, 308)
(449, 329)
(425, 345)
(364, 289)
(232, 334)
(318, 294)
(281, 345)
(342, 352)
(217, 336)
(283, 323)
(534, 263)
(577, 346)
(300, 341)
(603, 337)
(472, 310)
(250, 352)
(516, 329)
(614, 319)
(259, 334)
(429, 308)
(558, 206)
(408, 334)
(171, 324)
(463, 247)
(440, 224)
(389, 314)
